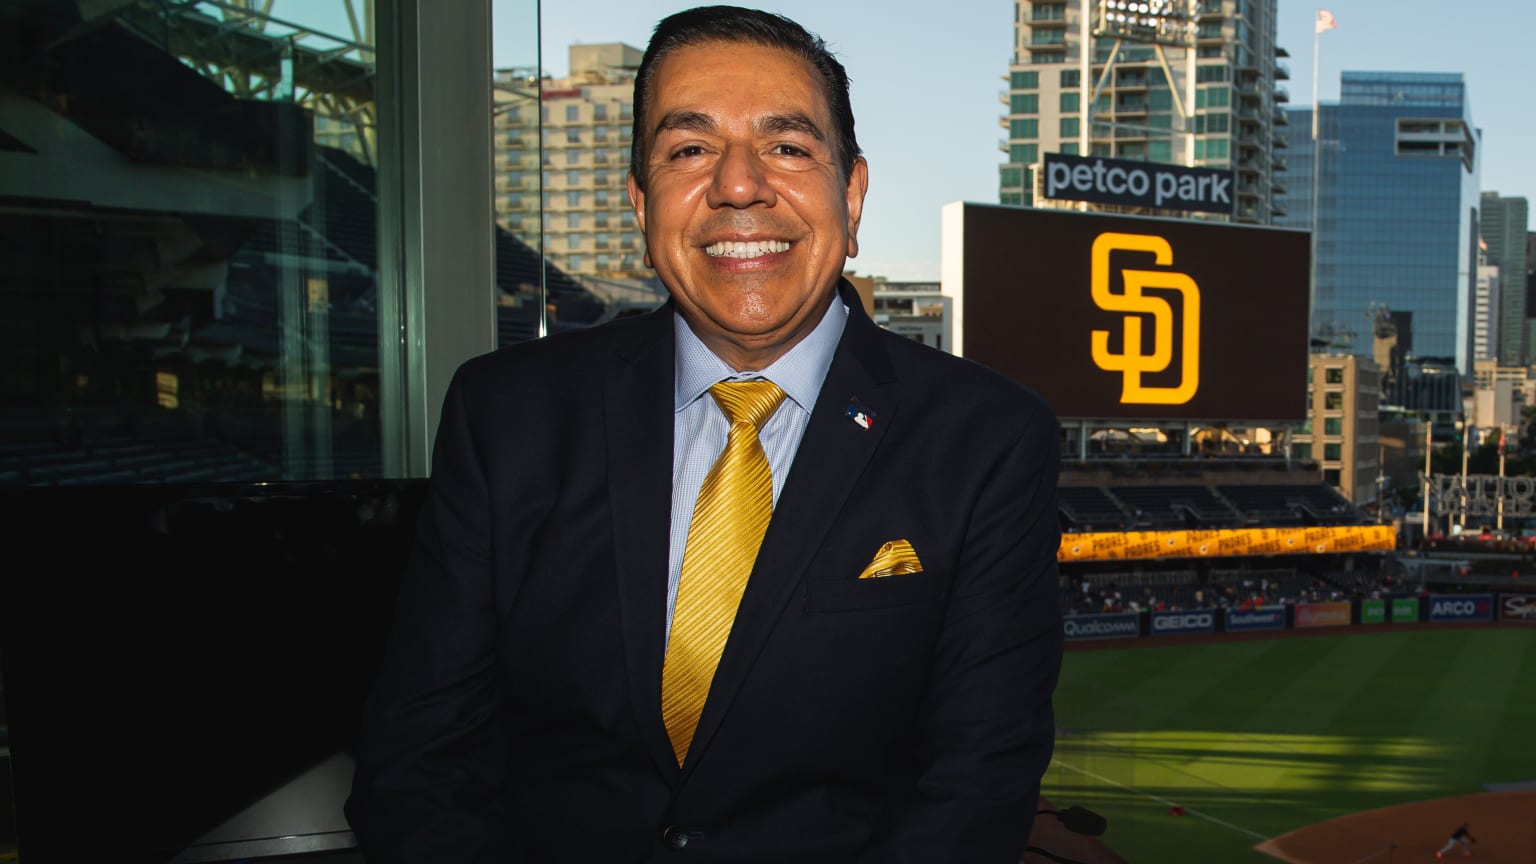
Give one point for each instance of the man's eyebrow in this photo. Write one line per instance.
(780, 124)
(685, 121)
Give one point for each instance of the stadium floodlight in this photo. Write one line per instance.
(1160, 22)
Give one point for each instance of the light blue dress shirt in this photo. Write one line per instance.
(699, 427)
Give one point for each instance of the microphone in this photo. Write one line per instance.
(1080, 820)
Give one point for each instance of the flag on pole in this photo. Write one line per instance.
(1325, 20)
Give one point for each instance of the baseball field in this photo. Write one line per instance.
(1201, 752)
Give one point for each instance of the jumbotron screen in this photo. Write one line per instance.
(1135, 318)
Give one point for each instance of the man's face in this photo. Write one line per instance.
(747, 220)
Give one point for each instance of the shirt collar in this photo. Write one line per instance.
(798, 373)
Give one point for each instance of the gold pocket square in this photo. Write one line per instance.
(894, 558)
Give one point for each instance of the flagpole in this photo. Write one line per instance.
(1317, 192)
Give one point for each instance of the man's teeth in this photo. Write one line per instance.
(754, 249)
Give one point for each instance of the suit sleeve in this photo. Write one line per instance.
(431, 754)
(988, 729)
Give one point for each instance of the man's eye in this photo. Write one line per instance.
(789, 150)
(687, 152)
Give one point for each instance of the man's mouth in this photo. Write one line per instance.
(752, 249)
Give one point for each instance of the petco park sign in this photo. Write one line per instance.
(1137, 184)
(1196, 621)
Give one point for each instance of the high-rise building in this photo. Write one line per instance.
(1395, 210)
(1503, 222)
(1487, 334)
(1211, 101)
(576, 166)
(1343, 397)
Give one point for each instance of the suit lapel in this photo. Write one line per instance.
(637, 403)
(832, 454)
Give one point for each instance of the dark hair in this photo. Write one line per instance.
(735, 24)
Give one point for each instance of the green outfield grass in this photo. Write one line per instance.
(1257, 738)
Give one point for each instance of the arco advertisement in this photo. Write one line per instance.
(1461, 607)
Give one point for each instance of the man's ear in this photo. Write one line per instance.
(858, 186)
(637, 203)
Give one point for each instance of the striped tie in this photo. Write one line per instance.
(729, 520)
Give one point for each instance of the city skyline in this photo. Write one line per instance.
(930, 129)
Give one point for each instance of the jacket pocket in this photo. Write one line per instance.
(854, 595)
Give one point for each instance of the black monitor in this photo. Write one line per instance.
(183, 667)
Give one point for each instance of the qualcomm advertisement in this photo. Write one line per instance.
(1239, 620)
(1461, 607)
(1116, 625)
(1192, 621)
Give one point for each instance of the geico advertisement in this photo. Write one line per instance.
(1224, 543)
(1191, 621)
(1113, 625)
(1126, 317)
(1517, 607)
(1461, 607)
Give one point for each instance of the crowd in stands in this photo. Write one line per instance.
(1185, 589)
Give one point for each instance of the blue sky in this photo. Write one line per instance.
(926, 79)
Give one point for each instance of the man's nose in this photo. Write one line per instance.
(741, 180)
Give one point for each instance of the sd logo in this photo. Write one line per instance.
(1138, 358)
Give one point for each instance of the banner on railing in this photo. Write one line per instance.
(1321, 615)
(1224, 543)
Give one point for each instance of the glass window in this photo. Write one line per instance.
(1070, 102)
(1024, 154)
(1071, 78)
(599, 113)
(1024, 103)
(573, 157)
(1301, 450)
(1333, 401)
(1024, 128)
(573, 178)
(573, 135)
(1070, 127)
(1333, 452)
(1333, 425)
(1020, 80)
(202, 310)
(1333, 376)
(573, 221)
(572, 113)
(573, 199)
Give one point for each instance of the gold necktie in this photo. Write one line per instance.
(729, 520)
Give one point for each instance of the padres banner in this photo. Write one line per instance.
(1122, 317)
(1224, 543)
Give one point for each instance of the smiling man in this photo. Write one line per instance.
(748, 579)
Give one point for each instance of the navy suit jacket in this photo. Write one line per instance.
(904, 718)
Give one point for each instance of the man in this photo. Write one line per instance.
(1462, 837)
(578, 673)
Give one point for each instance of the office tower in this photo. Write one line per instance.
(1395, 212)
(1487, 317)
(575, 165)
(1503, 222)
(1213, 104)
(1341, 430)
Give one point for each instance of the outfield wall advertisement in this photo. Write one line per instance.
(1373, 611)
(1461, 607)
(1405, 610)
(1224, 543)
(1321, 615)
(1188, 621)
(1132, 317)
(1116, 625)
(1243, 620)
(1517, 607)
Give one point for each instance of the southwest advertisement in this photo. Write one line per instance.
(1239, 620)
(1133, 317)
